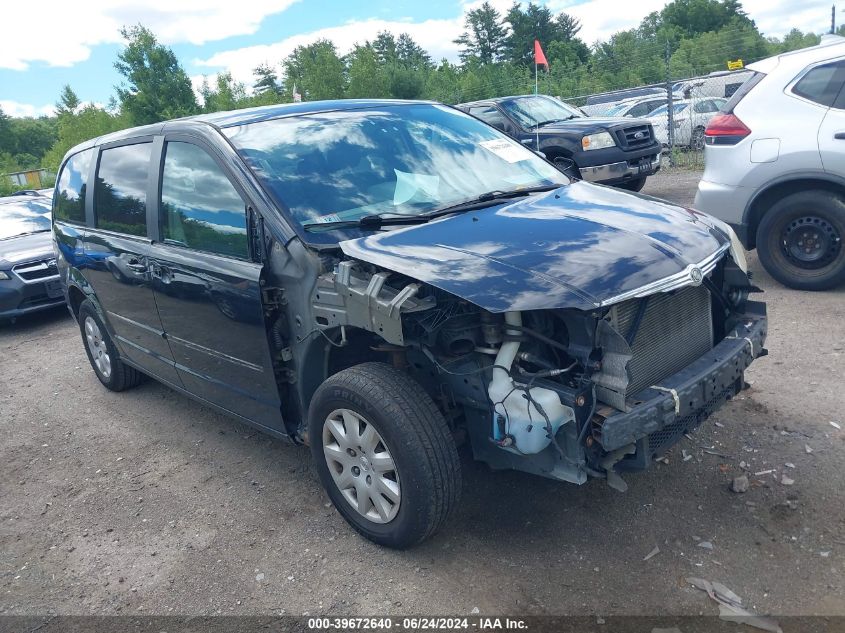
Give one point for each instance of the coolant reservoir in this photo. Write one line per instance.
(523, 421)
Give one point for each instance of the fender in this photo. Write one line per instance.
(793, 176)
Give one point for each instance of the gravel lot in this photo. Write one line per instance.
(146, 502)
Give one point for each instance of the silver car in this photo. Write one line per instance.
(775, 165)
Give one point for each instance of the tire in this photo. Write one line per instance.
(413, 433)
(696, 142)
(110, 370)
(633, 185)
(799, 240)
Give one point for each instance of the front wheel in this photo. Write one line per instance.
(384, 454)
(799, 240)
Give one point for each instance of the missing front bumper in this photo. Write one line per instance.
(682, 401)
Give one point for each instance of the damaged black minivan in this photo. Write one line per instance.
(385, 281)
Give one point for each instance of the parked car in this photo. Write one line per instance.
(719, 84)
(402, 276)
(612, 151)
(29, 279)
(690, 118)
(599, 104)
(637, 107)
(774, 165)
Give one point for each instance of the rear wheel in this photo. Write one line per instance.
(102, 354)
(799, 240)
(384, 454)
(697, 139)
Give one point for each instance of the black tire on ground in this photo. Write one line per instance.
(414, 433)
(697, 139)
(120, 376)
(800, 240)
(633, 185)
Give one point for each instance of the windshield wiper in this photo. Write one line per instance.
(375, 222)
(550, 121)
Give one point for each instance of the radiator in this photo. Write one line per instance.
(676, 329)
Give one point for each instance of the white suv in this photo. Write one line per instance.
(775, 165)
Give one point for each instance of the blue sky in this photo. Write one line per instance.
(77, 43)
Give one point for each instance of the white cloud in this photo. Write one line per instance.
(68, 30)
(778, 17)
(17, 109)
(602, 18)
(435, 36)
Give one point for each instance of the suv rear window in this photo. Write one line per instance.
(120, 195)
(822, 84)
(70, 188)
(743, 90)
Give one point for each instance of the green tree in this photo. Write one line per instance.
(227, 94)
(157, 87)
(367, 78)
(484, 36)
(87, 123)
(695, 17)
(316, 71)
(266, 80)
(68, 101)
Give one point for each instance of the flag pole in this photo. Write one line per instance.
(535, 76)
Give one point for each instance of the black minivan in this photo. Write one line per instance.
(386, 281)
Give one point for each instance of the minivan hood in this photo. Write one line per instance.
(25, 248)
(580, 246)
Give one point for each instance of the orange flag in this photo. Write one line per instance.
(539, 56)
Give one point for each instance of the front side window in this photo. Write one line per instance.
(200, 208)
(120, 194)
(70, 188)
(394, 159)
(822, 83)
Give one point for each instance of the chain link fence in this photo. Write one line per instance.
(678, 110)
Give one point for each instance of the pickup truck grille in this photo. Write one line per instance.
(676, 329)
(635, 136)
(35, 271)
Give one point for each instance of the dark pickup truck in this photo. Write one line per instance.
(615, 151)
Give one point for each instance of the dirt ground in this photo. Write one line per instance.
(146, 502)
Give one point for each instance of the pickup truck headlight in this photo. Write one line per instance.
(737, 250)
(597, 141)
(4, 276)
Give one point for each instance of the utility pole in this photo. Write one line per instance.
(833, 19)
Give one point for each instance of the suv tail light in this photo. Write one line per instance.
(725, 129)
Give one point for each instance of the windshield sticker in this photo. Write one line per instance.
(324, 219)
(506, 150)
(409, 185)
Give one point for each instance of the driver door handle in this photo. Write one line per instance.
(839, 136)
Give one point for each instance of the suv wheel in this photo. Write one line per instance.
(799, 240)
(384, 454)
(102, 354)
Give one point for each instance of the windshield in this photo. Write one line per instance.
(393, 159)
(22, 216)
(617, 109)
(676, 107)
(533, 111)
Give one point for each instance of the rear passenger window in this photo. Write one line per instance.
(200, 208)
(120, 195)
(822, 84)
(70, 188)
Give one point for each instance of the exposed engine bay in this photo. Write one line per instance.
(563, 393)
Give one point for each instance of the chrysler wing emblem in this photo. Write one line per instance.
(695, 276)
